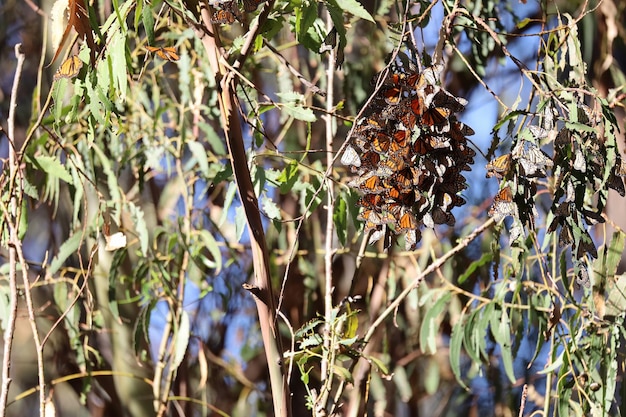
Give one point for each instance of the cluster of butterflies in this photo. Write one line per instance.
(408, 154)
(579, 165)
(228, 11)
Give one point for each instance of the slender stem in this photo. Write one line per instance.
(326, 365)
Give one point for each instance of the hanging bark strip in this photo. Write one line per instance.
(262, 288)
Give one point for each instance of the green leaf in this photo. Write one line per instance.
(355, 8)
(298, 112)
(271, 210)
(288, 177)
(136, 215)
(340, 219)
(148, 21)
(199, 154)
(485, 259)
(67, 249)
(501, 332)
(456, 343)
(615, 252)
(51, 166)
(431, 377)
(553, 366)
(210, 244)
(379, 364)
(430, 325)
(181, 340)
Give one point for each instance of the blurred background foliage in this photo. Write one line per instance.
(129, 143)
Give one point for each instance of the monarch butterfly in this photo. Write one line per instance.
(620, 166)
(371, 218)
(439, 142)
(441, 217)
(392, 95)
(499, 167)
(400, 138)
(370, 159)
(582, 274)
(370, 200)
(410, 239)
(390, 166)
(449, 101)
(466, 152)
(421, 147)
(617, 183)
(406, 222)
(404, 179)
(430, 75)
(417, 105)
(408, 120)
(69, 68)
(377, 234)
(565, 236)
(449, 201)
(351, 157)
(459, 131)
(437, 119)
(532, 159)
(400, 196)
(585, 245)
(167, 53)
(381, 142)
(225, 15)
(330, 41)
(371, 184)
(503, 205)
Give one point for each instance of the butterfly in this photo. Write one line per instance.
(371, 218)
(444, 99)
(532, 159)
(330, 41)
(370, 159)
(399, 196)
(499, 167)
(459, 131)
(392, 95)
(437, 119)
(439, 142)
(405, 178)
(406, 222)
(167, 53)
(350, 157)
(503, 205)
(223, 16)
(381, 142)
(411, 238)
(115, 241)
(370, 183)
(370, 200)
(69, 68)
(441, 217)
(390, 166)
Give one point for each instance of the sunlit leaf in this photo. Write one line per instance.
(181, 339)
(430, 324)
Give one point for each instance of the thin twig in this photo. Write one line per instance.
(326, 365)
